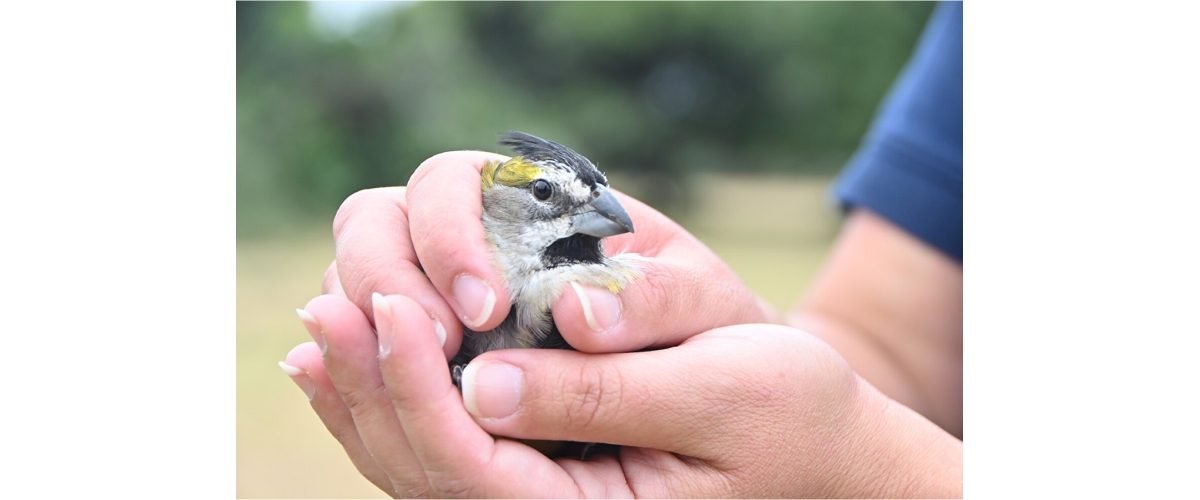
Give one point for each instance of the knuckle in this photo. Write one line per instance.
(431, 163)
(358, 202)
(369, 275)
(361, 401)
(595, 395)
(398, 398)
(351, 205)
(358, 282)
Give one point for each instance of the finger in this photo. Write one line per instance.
(643, 399)
(331, 283)
(303, 364)
(350, 360)
(463, 460)
(651, 473)
(646, 473)
(447, 234)
(671, 301)
(683, 289)
(375, 254)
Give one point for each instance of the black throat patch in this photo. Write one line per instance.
(574, 249)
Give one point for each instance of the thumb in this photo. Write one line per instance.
(673, 300)
(642, 399)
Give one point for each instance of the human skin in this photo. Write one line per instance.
(748, 410)
(892, 306)
(426, 241)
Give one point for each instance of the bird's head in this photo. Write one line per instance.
(550, 200)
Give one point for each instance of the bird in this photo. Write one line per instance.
(545, 212)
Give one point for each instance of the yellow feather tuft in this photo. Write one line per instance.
(613, 287)
(489, 174)
(517, 172)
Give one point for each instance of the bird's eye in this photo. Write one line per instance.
(541, 189)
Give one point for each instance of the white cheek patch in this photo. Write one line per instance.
(578, 191)
(566, 180)
(541, 234)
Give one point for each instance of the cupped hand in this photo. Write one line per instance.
(426, 241)
(748, 410)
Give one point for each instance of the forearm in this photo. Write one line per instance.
(892, 306)
(893, 452)
(889, 371)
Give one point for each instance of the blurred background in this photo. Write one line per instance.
(732, 118)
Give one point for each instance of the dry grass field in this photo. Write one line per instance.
(773, 231)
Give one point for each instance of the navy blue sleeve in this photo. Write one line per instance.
(908, 169)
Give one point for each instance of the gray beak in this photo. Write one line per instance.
(606, 218)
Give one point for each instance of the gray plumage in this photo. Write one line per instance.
(542, 245)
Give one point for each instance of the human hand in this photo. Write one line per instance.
(749, 410)
(426, 241)
(379, 247)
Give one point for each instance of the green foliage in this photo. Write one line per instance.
(654, 90)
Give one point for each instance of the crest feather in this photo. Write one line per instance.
(536, 149)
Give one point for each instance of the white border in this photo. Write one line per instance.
(118, 202)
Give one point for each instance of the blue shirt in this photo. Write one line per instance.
(908, 169)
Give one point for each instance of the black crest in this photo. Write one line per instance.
(535, 148)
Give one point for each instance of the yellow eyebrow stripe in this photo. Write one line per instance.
(488, 177)
(517, 172)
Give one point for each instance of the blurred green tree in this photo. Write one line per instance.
(658, 90)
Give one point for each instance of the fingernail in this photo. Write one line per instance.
(313, 326)
(475, 299)
(300, 378)
(440, 331)
(492, 389)
(601, 308)
(383, 323)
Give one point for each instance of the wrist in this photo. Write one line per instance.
(891, 451)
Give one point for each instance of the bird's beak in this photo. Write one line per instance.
(606, 216)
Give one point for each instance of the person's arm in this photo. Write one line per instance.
(892, 306)
(890, 295)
